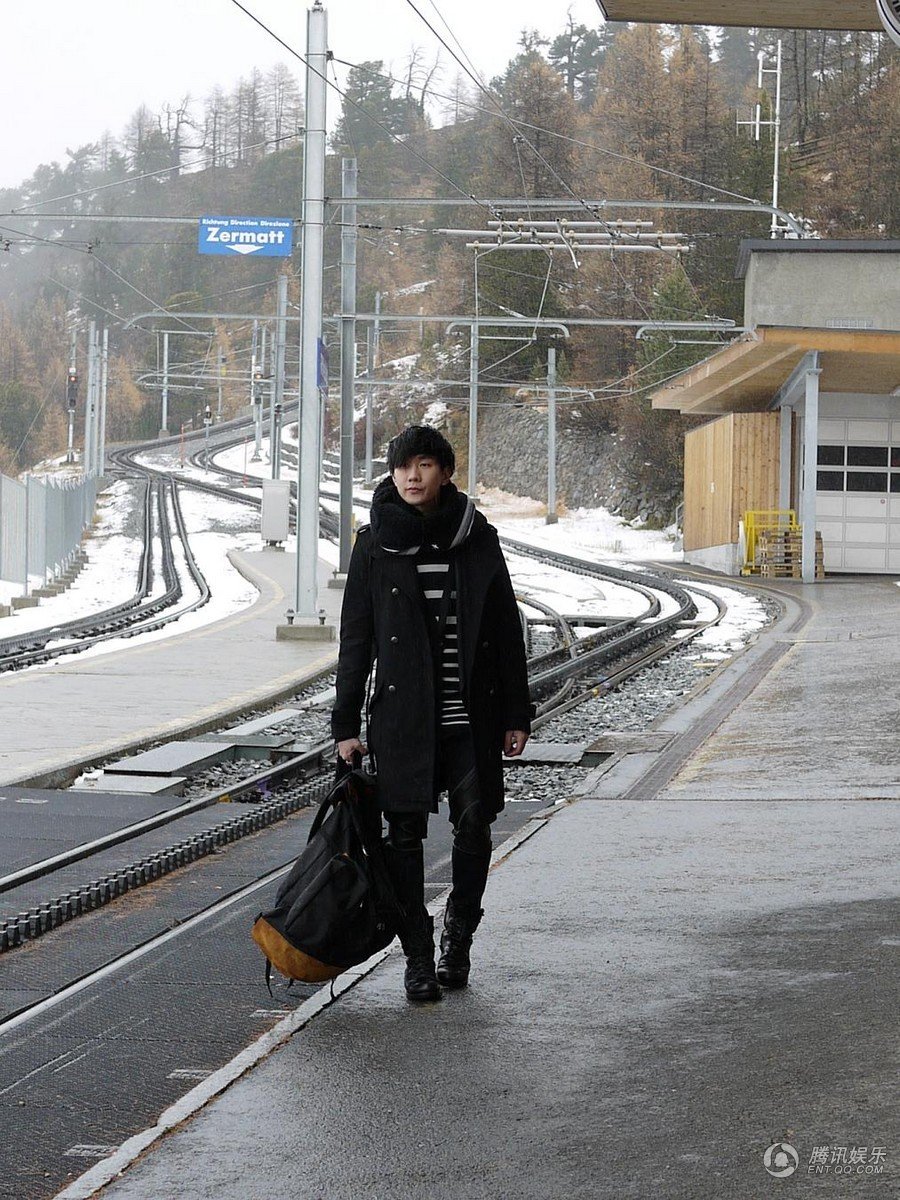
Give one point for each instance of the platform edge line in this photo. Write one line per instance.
(97, 1177)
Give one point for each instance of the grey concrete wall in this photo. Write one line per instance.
(845, 404)
(725, 559)
(841, 290)
(512, 455)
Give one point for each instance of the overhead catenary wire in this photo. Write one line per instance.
(25, 209)
(361, 108)
(500, 111)
(96, 258)
(617, 154)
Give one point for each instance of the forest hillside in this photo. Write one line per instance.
(580, 114)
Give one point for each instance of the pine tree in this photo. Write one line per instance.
(652, 450)
(371, 112)
(577, 53)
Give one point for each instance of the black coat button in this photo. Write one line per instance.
(395, 591)
(484, 645)
(395, 640)
(391, 688)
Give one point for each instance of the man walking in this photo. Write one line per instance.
(429, 600)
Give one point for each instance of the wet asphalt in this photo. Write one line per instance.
(662, 990)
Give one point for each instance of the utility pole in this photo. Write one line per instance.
(104, 370)
(220, 362)
(164, 428)
(756, 123)
(473, 411)
(373, 344)
(276, 457)
(72, 396)
(265, 389)
(552, 516)
(370, 367)
(256, 396)
(278, 388)
(87, 464)
(774, 228)
(348, 360)
(311, 320)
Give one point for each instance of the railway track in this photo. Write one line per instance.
(143, 612)
(173, 951)
(615, 652)
(560, 677)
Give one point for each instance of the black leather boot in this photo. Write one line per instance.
(406, 869)
(456, 942)
(419, 979)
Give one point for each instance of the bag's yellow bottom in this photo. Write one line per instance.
(287, 959)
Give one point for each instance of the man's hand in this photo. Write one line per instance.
(514, 742)
(348, 747)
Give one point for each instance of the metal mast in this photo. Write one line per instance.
(311, 315)
(348, 360)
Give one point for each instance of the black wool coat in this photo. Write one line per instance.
(384, 617)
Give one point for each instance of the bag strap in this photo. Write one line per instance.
(326, 804)
(367, 708)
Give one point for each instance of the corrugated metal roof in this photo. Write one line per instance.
(774, 14)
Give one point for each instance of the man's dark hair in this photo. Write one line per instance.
(416, 440)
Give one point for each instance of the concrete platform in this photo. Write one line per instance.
(664, 986)
(824, 723)
(661, 992)
(55, 720)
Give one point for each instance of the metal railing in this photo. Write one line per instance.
(41, 525)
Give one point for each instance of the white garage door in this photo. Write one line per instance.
(858, 494)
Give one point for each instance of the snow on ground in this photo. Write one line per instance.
(435, 412)
(746, 615)
(572, 594)
(597, 535)
(108, 578)
(240, 459)
(57, 468)
(403, 366)
(217, 526)
(415, 289)
(592, 533)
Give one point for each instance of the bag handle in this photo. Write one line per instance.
(329, 801)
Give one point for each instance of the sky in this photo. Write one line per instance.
(72, 70)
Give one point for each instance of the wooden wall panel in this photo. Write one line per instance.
(707, 484)
(756, 459)
(730, 465)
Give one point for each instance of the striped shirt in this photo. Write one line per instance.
(434, 574)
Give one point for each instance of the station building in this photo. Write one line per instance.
(815, 378)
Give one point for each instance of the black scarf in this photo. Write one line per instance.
(400, 527)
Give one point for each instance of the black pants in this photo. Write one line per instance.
(472, 843)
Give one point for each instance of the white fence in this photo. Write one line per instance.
(41, 523)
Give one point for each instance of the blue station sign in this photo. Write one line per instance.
(263, 237)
